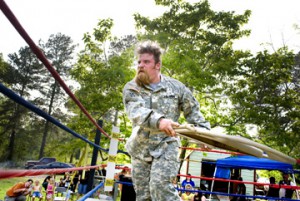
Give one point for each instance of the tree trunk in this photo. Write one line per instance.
(46, 128)
(11, 145)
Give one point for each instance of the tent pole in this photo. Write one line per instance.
(294, 181)
(212, 183)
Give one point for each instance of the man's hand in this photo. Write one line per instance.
(26, 192)
(167, 125)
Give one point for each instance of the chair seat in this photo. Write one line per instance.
(59, 198)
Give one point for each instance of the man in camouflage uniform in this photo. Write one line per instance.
(153, 103)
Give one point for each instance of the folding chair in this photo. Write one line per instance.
(61, 191)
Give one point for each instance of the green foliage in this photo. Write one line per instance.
(21, 75)
(267, 95)
(102, 69)
(30, 79)
(273, 173)
(198, 40)
(235, 88)
(59, 50)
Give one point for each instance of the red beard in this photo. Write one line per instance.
(142, 78)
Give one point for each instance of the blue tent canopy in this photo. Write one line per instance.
(251, 162)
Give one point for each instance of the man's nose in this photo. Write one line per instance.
(140, 65)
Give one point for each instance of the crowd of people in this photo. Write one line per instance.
(281, 192)
(46, 190)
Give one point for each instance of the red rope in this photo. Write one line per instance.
(4, 174)
(212, 150)
(22, 173)
(245, 182)
(14, 21)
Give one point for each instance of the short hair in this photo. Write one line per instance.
(150, 47)
(30, 180)
(272, 180)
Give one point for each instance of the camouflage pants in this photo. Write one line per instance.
(153, 180)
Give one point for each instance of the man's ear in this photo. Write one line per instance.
(157, 66)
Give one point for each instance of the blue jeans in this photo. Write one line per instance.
(82, 188)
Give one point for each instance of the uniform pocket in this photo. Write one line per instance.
(172, 151)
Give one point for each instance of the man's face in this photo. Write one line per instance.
(147, 70)
(28, 184)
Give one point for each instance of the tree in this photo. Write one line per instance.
(267, 95)
(102, 69)
(198, 51)
(198, 40)
(21, 75)
(59, 50)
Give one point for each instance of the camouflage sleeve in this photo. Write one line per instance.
(191, 110)
(137, 111)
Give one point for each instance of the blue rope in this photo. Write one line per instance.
(12, 95)
(89, 194)
(124, 182)
(231, 194)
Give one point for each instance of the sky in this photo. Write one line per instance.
(271, 20)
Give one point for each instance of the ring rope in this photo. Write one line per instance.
(14, 21)
(211, 150)
(232, 194)
(12, 95)
(239, 182)
(8, 173)
(90, 193)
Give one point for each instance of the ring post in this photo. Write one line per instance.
(112, 155)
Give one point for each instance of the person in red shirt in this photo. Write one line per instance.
(19, 191)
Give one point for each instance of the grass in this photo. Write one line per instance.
(5, 184)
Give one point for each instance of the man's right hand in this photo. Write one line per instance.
(167, 125)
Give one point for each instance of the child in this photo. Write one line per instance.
(188, 195)
(50, 190)
(37, 191)
(61, 182)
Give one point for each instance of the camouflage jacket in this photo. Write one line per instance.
(145, 106)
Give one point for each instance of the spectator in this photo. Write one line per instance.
(37, 191)
(188, 180)
(123, 172)
(273, 192)
(127, 190)
(283, 192)
(175, 184)
(188, 195)
(19, 191)
(117, 176)
(61, 182)
(102, 171)
(45, 182)
(67, 180)
(200, 195)
(241, 190)
(74, 181)
(50, 190)
(83, 182)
